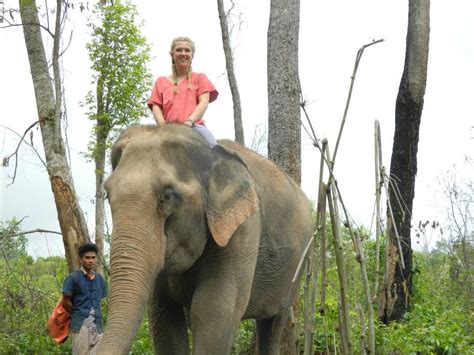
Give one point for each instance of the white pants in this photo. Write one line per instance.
(206, 133)
(86, 342)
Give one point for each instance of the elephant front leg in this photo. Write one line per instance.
(214, 321)
(168, 326)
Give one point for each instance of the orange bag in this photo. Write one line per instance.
(58, 323)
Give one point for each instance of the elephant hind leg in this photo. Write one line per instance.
(168, 327)
(269, 332)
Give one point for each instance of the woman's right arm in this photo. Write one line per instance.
(158, 115)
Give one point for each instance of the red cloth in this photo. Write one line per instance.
(58, 323)
(178, 106)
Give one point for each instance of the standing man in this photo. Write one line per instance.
(82, 291)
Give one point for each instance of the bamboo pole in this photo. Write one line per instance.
(365, 282)
(324, 274)
(354, 72)
(395, 229)
(332, 194)
(360, 311)
(308, 309)
(312, 274)
(345, 326)
(379, 178)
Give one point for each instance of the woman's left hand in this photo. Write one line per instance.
(189, 123)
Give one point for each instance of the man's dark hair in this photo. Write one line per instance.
(87, 247)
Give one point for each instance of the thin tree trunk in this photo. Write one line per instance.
(229, 62)
(284, 125)
(397, 289)
(70, 216)
(99, 159)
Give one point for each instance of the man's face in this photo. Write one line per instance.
(89, 260)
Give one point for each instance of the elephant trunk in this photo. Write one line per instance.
(136, 257)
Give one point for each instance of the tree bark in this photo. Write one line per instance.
(397, 289)
(229, 62)
(70, 216)
(284, 131)
(284, 125)
(102, 132)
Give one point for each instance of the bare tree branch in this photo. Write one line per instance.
(38, 230)
(6, 160)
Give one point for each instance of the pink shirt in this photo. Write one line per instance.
(177, 107)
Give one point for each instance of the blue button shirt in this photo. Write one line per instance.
(85, 295)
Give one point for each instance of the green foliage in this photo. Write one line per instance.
(243, 340)
(441, 321)
(143, 343)
(119, 55)
(12, 247)
(30, 290)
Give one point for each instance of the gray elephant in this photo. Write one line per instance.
(218, 232)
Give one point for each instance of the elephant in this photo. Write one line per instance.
(204, 237)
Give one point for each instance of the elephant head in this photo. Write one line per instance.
(170, 194)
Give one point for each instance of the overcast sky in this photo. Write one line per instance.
(331, 32)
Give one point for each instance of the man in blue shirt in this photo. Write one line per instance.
(82, 290)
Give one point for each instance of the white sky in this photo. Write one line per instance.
(331, 32)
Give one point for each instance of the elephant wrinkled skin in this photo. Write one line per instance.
(213, 233)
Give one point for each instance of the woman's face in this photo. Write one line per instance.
(182, 54)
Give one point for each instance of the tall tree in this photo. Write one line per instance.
(284, 127)
(119, 55)
(234, 89)
(397, 289)
(47, 87)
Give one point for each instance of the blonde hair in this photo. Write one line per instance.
(173, 64)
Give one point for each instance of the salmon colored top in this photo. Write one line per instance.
(177, 107)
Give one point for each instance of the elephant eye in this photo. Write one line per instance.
(170, 199)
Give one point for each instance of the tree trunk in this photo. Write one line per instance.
(284, 131)
(284, 125)
(238, 127)
(397, 289)
(99, 159)
(70, 216)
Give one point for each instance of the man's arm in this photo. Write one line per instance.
(67, 303)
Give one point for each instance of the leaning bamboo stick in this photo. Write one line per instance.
(324, 273)
(308, 309)
(361, 259)
(346, 108)
(341, 271)
(368, 297)
(360, 311)
(394, 226)
(379, 178)
(312, 274)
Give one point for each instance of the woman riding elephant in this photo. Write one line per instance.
(217, 231)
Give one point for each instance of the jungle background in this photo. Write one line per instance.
(435, 312)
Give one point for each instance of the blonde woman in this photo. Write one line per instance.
(183, 96)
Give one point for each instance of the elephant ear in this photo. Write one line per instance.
(232, 196)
